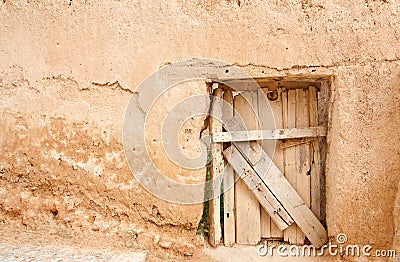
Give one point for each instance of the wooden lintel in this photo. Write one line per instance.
(271, 83)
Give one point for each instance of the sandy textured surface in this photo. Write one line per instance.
(68, 70)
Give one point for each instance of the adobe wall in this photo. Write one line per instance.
(68, 70)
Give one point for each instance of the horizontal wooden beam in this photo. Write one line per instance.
(271, 83)
(272, 134)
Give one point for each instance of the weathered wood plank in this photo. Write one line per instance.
(284, 98)
(265, 224)
(229, 181)
(272, 134)
(236, 123)
(294, 142)
(281, 188)
(247, 206)
(266, 118)
(315, 155)
(302, 156)
(304, 151)
(253, 84)
(276, 107)
(290, 234)
(217, 165)
(254, 183)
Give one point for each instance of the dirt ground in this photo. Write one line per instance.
(57, 243)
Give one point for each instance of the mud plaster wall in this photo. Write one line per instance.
(68, 69)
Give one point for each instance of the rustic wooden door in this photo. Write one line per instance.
(294, 153)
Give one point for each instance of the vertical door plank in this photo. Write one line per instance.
(247, 206)
(266, 122)
(273, 149)
(229, 181)
(217, 165)
(276, 106)
(265, 224)
(302, 156)
(290, 234)
(303, 150)
(315, 155)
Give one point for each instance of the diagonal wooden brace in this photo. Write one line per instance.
(275, 193)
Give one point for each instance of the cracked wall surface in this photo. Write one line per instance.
(67, 72)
